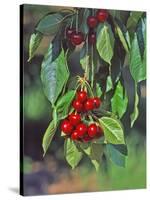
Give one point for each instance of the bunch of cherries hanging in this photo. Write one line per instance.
(77, 37)
(74, 127)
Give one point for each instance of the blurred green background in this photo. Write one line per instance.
(52, 174)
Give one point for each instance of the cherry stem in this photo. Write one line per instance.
(93, 12)
(71, 23)
(86, 74)
(77, 21)
(92, 74)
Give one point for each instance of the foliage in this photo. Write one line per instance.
(120, 45)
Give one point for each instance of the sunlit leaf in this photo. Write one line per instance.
(105, 43)
(113, 130)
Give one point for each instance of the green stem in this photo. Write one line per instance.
(77, 21)
(86, 74)
(92, 73)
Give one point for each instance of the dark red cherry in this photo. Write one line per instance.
(82, 96)
(92, 21)
(102, 15)
(76, 38)
(66, 127)
(81, 129)
(74, 119)
(97, 102)
(77, 105)
(89, 105)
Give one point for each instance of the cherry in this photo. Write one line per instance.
(96, 102)
(102, 15)
(99, 132)
(81, 129)
(66, 127)
(92, 38)
(92, 21)
(92, 130)
(89, 105)
(76, 38)
(77, 105)
(75, 135)
(87, 138)
(74, 119)
(82, 96)
(69, 32)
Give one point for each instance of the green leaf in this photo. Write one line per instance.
(122, 35)
(122, 148)
(115, 156)
(141, 36)
(133, 19)
(96, 151)
(34, 43)
(72, 154)
(50, 24)
(119, 101)
(135, 113)
(113, 130)
(84, 27)
(105, 43)
(98, 90)
(54, 75)
(109, 84)
(137, 69)
(96, 165)
(64, 103)
(85, 61)
(48, 136)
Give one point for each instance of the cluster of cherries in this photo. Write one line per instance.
(77, 38)
(73, 126)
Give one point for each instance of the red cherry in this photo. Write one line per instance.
(69, 32)
(76, 38)
(66, 127)
(77, 105)
(75, 135)
(102, 15)
(92, 38)
(92, 21)
(89, 105)
(97, 102)
(92, 130)
(87, 138)
(82, 96)
(81, 129)
(74, 119)
(99, 132)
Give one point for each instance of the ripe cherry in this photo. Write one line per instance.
(74, 119)
(69, 32)
(76, 38)
(92, 38)
(99, 132)
(82, 96)
(92, 130)
(75, 135)
(81, 129)
(89, 105)
(77, 105)
(102, 15)
(66, 127)
(92, 21)
(97, 102)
